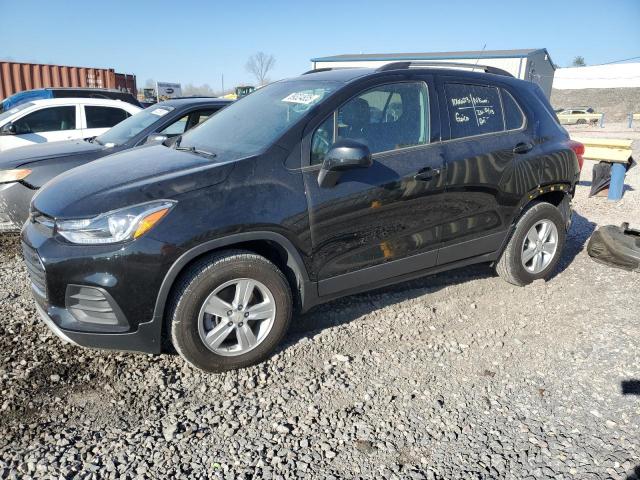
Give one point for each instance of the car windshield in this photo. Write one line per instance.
(253, 123)
(129, 128)
(11, 111)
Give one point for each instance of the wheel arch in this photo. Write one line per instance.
(559, 195)
(273, 246)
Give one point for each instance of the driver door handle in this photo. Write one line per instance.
(522, 147)
(427, 174)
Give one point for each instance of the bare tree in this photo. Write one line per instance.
(259, 65)
(578, 61)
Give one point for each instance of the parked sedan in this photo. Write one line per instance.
(24, 170)
(58, 119)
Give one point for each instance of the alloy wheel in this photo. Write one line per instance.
(539, 246)
(236, 317)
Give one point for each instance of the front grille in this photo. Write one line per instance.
(35, 269)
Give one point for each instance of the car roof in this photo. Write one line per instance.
(81, 100)
(350, 74)
(345, 75)
(186, 101)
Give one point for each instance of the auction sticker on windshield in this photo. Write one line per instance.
(301, 97)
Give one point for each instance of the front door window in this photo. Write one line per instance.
(50, 119)
(385, 118)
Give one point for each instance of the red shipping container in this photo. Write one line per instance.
(17, 77)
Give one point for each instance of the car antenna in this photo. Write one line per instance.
(478, 59)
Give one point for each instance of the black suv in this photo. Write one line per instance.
(24, 170)
(311, 188)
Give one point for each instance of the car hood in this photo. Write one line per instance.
(127, 178)
(17, 157)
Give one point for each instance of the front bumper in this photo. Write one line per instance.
(145, 339)
(52, 326)
(98, 296)
(15, 199)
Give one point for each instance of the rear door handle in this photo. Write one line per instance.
(427, 174)
(523, 147)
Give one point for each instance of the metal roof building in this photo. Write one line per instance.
(534, 65)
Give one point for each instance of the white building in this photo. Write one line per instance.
(528, 64)
(619, 75)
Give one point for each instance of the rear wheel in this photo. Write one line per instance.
(230, 311)
(535, 246)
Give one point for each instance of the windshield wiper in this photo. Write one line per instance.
(197, 151)
(95, 140)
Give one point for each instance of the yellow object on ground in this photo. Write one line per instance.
(617, 150)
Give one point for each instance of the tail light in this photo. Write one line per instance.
(578, 148)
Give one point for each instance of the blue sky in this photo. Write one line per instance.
(196, 42)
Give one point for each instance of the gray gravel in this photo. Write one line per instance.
(457, 375)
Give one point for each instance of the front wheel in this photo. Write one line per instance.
(230, 311)
(535, 246)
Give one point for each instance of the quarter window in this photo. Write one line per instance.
(513, 116)
(473, 110)
(104, 117)
(384, 118)
(51, 119)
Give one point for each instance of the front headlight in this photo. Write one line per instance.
(7, 176)
(116, 226)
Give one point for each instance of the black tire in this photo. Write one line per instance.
(581, 121)
(199, 282)
(510, 266)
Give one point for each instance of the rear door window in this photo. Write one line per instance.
(473, 110)
(104, 117)
(51, 119)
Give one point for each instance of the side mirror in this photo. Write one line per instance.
(343, 155)
(8, 129)
(155, 138)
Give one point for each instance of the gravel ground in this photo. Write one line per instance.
(457, 375)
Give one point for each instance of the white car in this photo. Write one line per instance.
(578, 116)
(56, 119)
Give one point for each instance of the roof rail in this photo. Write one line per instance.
(327, 69)
(406, 65)
(316, 70)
